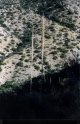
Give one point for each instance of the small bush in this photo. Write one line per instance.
(20, 64)
(47, 36)
(1, 63)
(36, 67)
(26, 60)
(54, 57)
(0, 69)
(62, 55)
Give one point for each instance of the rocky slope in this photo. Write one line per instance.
(62, 37)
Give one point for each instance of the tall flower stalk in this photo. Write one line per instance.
(42, 43)
(32, 54)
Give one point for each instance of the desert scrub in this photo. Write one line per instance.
(74, 44)
(23, 56)
(37, 50)
(48, 68)
(45, 63)
(57, 65)
(19, 48)
(53, 52)
(40, 62)
(20, 64)
(35, 58)
(78, 37)
(38, 56)
(21, 59)
(68, 24)
(59, 35)
(51, 28)
(0, 69)
(62, 50)
(54, 40)
(62, 55)
(26, 66)
(66, 42)
(54, 47)
(1, 62)
(6, 87)
(26, 60)
(9, 86)
(36, 67)
(47, 36)
(59, 43)
(54, 57)
(1, 53)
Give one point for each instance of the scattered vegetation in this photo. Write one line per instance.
(70, 25)
(55, 31)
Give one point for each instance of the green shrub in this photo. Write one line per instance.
(7, 86)
(68, 24)
(36, 67)
(21, 59)
(54, 57)
(47, 36)
(78, 37)
(26, 60)
(53, 52)
(1, 63)
(0, 69)
(20, 64)
(62, 55)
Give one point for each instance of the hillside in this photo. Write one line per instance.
(62, 37)
(47, 100)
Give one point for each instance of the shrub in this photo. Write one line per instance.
(68, 24)
(20, 64)
(47, 36)
(26, 60)
(78, 37)
(0, 69)
(62, 55)
(54, 57)
(36, 67)
(1, 63)
(53, 52)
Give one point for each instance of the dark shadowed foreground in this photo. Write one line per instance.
(56, 97)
